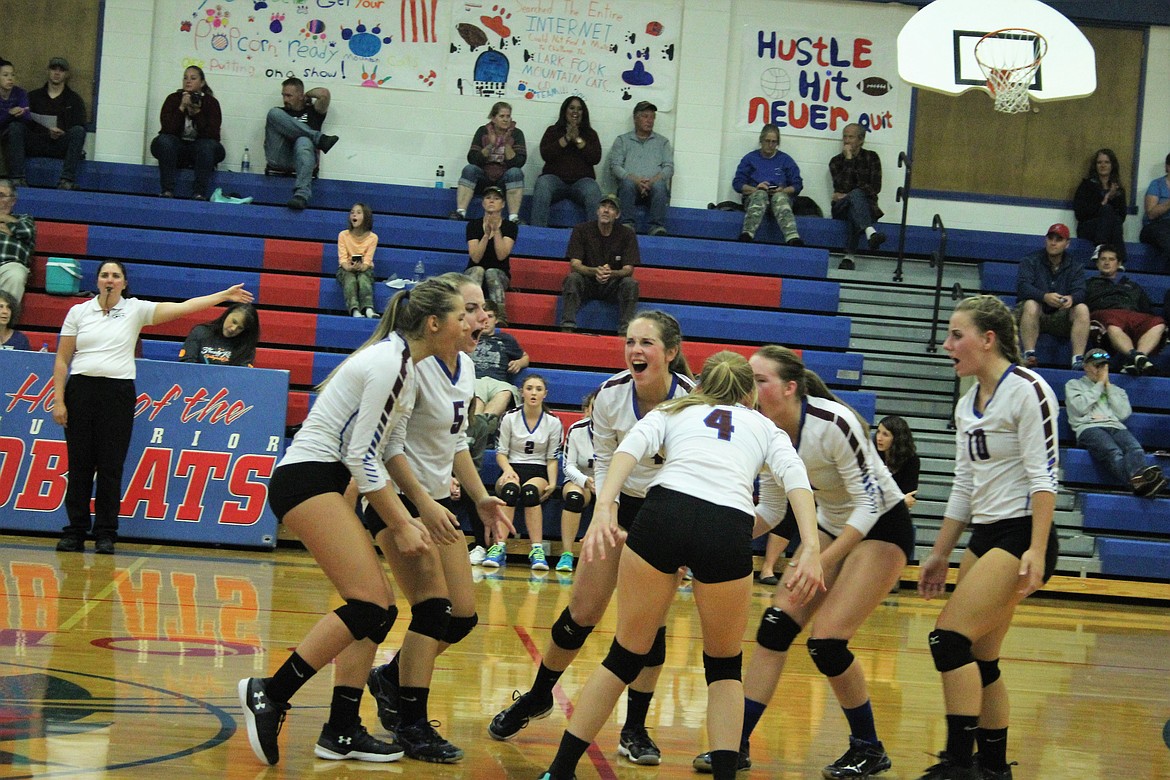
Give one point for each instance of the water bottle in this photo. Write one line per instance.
(420, 271)
(439, 174)
(245, 162)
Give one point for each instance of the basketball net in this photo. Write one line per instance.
(1008, 78)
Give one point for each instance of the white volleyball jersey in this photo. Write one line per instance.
(615, 412)
(577, 452)
(1006, 453)
(851, 484)
(436, 430)
(521, 444)
(353, 416)
(716, 452)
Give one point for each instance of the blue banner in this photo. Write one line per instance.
(206, 440)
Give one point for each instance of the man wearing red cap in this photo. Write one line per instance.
(1050, 289)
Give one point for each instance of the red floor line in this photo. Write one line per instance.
(604, 770)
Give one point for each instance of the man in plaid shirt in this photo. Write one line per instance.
(17, 235)
(857, 180)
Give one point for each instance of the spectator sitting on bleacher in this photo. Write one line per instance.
(1122, 306)
(228, 340)
(497, 357)
(10, 338)
(570, 148)
(489, 244)
(643, 164)
(292, 136)
(1156, 225)
(355, 261)
(857, 180)
(1099, 202)
(18, 233)
(602, 256)
(768, 177)
(1050, 289)
(65, 140)
(189, 120)
(496, 157)
(13, 101)
(1097, 410)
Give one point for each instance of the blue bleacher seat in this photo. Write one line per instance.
(1137, 558)
(1125, 513)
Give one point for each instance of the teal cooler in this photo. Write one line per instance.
(62, 276)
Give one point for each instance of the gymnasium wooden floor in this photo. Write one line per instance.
(126, 666)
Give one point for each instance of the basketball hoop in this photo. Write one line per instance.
(1009, 58)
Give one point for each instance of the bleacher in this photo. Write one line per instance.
(725, 294)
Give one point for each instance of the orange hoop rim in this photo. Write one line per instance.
(1035, 36)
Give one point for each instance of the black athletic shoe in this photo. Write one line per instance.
(862, 759)
(702, 762)
(994, 774)
(524, 708)
(423, 743)
(104, 545)
(356, 743)
(385, 694)
(846, 264)
(876, 240)
(638, 748)
(945, 769)
(71, 544)
(263, 719)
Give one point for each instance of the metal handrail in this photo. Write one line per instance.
(939, 257)
(902, 196)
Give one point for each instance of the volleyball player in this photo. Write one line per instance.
(577, 461)
(866, 537)
(1006, 460)
(345, 437)
(656, 371)
(528, 456)
(698, 512)
(423, 453)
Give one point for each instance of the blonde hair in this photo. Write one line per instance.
(989, 313)
(727, 379)
(407, 314)
(790, 368)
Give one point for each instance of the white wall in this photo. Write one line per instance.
(400, 136)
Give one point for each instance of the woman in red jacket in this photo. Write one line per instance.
(189, 138)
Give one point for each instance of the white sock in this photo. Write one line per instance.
(513, 217)
(869, 231)
(461, 212)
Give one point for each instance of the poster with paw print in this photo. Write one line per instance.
(600, 50)
(384, 44)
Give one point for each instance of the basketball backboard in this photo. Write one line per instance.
(936, 48)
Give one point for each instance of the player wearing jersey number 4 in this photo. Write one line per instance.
(1006, 458)
(698, 513)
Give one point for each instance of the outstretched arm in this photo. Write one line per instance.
(165, 312)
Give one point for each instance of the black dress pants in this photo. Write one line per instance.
(97, 436)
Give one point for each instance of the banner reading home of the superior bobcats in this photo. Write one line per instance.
(206, 440)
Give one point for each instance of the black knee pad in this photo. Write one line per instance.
(509, 493)
(657, 654)
(430, 618)
(459, 627)
(951, 650)
(831, 656)
(716, 669)
(567, 634)
(625, 665)
(391, 616)
(777, 630)
(529, 496)
(988, 671)
(575, 502)
(364, 619)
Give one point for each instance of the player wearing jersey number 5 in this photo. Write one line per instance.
(656, 371)
(424, 451)
(698, 513)
(1005, 488)
(528, 456)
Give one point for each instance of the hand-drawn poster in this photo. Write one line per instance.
(367, 43)
(814, 82)
(600, 50)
